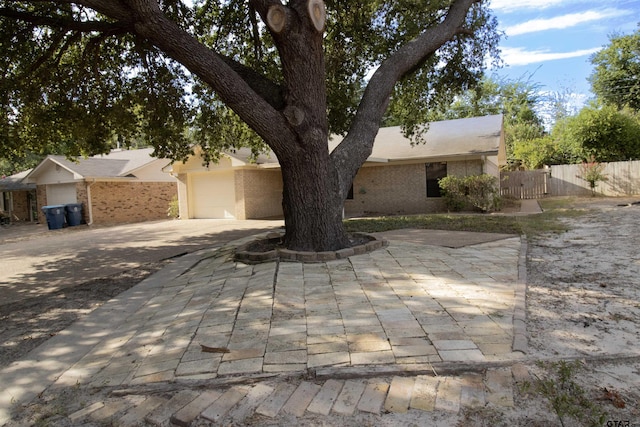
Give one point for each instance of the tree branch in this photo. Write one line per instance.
(358, 144)
(66, 23)
(266, 88)
(116, 9)
(238, 87)
(263, 6)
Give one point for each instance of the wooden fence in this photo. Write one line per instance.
(622, 179)
(525, 184)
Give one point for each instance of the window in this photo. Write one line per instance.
(435, 171)
(350, 193)
(5, 203)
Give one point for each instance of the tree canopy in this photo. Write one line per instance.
(79, 74)
(604, 134)
(616, 77)
(517, 100)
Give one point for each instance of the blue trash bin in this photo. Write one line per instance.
(55, 216)
(74, 213)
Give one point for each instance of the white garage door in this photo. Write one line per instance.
(212, 195)
(61, 194)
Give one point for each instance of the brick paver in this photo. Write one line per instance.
(403, 306)
(399, 395)
(300, 398)
(323, 401)
(272, 405)
(219, 408)
(349, 397)
(193, 409)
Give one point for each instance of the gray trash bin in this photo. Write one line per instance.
(55, 216)
(74, 213)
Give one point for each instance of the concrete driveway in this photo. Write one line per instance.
(36, 261)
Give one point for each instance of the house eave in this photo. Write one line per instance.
(439, 158)
(110, 178)
(31, 176)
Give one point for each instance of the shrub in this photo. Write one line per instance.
(453, 192)
(476, 191)
(592, 173)
(173, 211)
(484, 193)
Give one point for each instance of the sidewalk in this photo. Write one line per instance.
(210, 339)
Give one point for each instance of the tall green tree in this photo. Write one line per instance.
(77, 72)
(616, 77)
(517, 100)
(535, 153)
(601, 134)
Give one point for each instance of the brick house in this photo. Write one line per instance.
(17, 199)
(235, 187)
(398, 177)
(123, 186)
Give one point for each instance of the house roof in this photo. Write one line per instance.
(244, 155)
(473, 136)
(476, 136)
(449, 138)
(116, 164)
(15, 183)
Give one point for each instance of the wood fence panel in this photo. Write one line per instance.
(622, 179)
(524, 184)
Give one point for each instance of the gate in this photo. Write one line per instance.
(524, 184)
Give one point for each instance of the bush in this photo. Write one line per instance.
(173, 211)
(454, 192)
(592, 173)
(476, 191)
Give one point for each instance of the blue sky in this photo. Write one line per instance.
(549, 42)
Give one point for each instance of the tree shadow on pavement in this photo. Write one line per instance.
(59, 290)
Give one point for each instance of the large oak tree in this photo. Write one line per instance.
(616, 76)
(77, 74)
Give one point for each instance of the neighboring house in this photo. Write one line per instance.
(398, 178)
(120, 187)
(17, 199)
(235, 187)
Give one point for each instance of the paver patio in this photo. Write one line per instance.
(407, 306)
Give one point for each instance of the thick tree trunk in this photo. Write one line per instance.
(312, 207)
(312, 199)
(291, 117)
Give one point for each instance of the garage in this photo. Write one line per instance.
(61, 194)
(237, 186)
(212, 194)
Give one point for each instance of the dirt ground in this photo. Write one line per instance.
(583, 303)
(583, 323)
(27, 323)
(50, 279)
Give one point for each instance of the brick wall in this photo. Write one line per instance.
(20, 206)
(400, 189)
(82, 197)
(122, 202)
(258, 193)
(465, 168)
(41, 200)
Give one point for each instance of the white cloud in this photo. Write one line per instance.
(560, 22)
(520, 56)
(513, 5)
